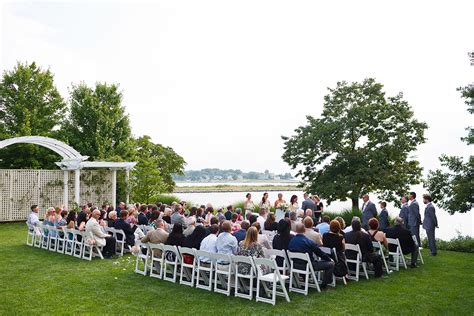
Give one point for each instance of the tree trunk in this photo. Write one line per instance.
(355, 203)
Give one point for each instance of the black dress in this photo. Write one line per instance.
(331, 240)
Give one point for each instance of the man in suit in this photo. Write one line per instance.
(430, 223)
(414, 218)
(142, 219)
(383, 217)
(156, 236)
(405, 238)
(101, 239)
(368, 211)
(308, 203)
(127, 229)
(404, 211)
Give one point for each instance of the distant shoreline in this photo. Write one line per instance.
(231, 188)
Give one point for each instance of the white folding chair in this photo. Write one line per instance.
(52, 238)
(30, 237)
(357, 261)
(223, 273)
(272, 275)
(187, 273)
(90, 248)
(39, 236)
(61, 240)
(244, 281)
(276, 253)
(297, 271)
(204, 269)
(68, 241)
(270, 234)
(171, 266)
(46, 236)
(78, 243)
(397, 255)
(379, 250)
(143, 256)
(330, 253)
(157, 260)
(420, 257)
(119, 235)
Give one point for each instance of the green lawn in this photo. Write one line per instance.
(38, 281)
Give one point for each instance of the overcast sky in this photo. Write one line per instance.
(221, 81)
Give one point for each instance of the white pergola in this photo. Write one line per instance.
(74, 161)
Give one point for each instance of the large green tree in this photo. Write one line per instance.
(361, 143)
(97, 125)
(452, 186)
(30, 104)
(153, 173)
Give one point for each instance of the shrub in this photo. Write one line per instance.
(459, 244)
(167, 199)
(347, 215)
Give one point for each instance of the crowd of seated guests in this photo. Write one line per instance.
(201, 227)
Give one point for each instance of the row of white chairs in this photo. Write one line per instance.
(71, 242)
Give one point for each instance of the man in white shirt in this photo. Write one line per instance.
(226, 242)
(349, 228)
(33, 219)
(101, 239)
(209, 244)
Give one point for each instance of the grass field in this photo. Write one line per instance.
(36, 281)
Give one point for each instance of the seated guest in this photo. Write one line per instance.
(127, 229)
(100, 238)
(175, 238)
(63, 219)
(214, 221)
(334, 239)
(220, 216)
(33, 219)
(111, 218)
(270, 223)
(167, 215)
(142, 218)
(323, 227)
(383, 223)
(252, 219)
(374, 232)
(309, 231)
(293, 221)
(191, 226)
(154, 216)
(262, 217)
(406, 240)
(235, 224)
(262, 238)
(240, 234)
(349, 228)
(71, 220)
(282, 238)
(81, 221)
(238, 211)
(301, 243)
(228, 213)
(249, 247)
(209, 243)
(178, 216)
(226, 243)
(342, 225)
(132, 216)
(157, 236)
(357, 237)
(195, 238)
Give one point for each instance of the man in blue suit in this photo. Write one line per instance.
(414, 218)
(430, 223)
(383, 217)
(368, 211)
(404, 212)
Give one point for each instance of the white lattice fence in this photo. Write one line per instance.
(19, 189)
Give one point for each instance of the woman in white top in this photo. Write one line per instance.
(293, 203)
(248, 203)
(265, 203)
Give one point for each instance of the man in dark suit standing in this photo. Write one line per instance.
(406, 240)
(430, 223)
(414, 218)
(308, 203)
(383, 217)
(404, 211)
(368, 211)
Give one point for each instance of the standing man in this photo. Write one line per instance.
(414, 218)
(383, 222)
(404, 212)
(430, 223)
(368, 211)
(308, 203)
